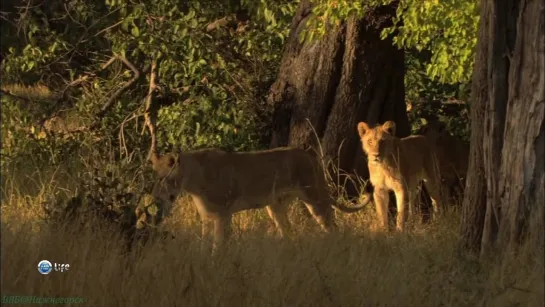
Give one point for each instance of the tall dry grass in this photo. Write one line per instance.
(354, 267)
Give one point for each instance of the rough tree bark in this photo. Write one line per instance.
(505, 195)
(350, 75)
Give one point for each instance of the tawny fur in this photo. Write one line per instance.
(223, 183)
(399, 165)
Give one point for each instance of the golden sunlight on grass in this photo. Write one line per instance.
(354, 267)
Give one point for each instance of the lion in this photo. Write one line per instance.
(223, 183)
(398, 165)
(453, 156)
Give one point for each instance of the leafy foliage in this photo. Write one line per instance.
(452, 115)
(216, 61)
(431, 101)
(103, 200)
(447, 29)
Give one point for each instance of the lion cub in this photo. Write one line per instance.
(399, 165)
(223, 183)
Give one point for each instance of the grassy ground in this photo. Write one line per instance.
(354, 267)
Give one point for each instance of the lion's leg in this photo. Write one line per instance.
(402, 196)
(222, 230)
(437, 199)
(205, 234)
(453, 189)
(323, 214)
(206, 223)
(318, 203)
(434, 186)
(412, 199)
(382, 201)
(279, 215)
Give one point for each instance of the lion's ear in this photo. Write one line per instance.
(155, 162)
(362, 128)
(171, 161)
(163, 164)
(389, 127)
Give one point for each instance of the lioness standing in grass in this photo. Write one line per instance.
(399, 165)
(223, 183)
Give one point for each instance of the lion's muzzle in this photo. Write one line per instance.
(374, 158)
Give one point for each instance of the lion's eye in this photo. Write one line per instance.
(369, 142)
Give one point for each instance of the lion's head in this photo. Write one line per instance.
(378, 142)
(434, 130)
(169, 180)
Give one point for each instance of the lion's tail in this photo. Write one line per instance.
(345, 209)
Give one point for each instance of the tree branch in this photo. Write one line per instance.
(150, 113)
(86, 77)
(135, 77)
(109, 103)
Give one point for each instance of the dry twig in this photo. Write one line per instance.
(150, 113)
(127, 84)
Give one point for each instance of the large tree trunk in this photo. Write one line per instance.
(505, 184)
(522, 174)
(350, 75)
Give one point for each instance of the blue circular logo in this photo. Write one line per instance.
(45, 267)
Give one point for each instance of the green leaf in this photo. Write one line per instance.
(152, 210)
(193, 23)
(190, 15)
(135, 31)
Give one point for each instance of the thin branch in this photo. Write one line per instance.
(122, 141)
(150, 113)
(84, 78)
(110, 61)
(73, 19)
(105, 108)
(3, 15)
(78, 81)
(108, 28)
(113, 98)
